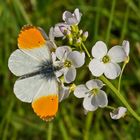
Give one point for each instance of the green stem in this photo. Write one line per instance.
(88, 54)
(123, 100)
(50, 131)
(88, 125)
(119, 84)
(110, 107)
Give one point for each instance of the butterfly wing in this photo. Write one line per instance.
(42, 93)
(45, 103)
(25, 89)
(31, 41)
(20, 63)
(33, 50)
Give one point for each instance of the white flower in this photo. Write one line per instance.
(106, 61)
(118, 113)
(93, 96)
(70, 61)
(59, 30)
(126, 47)
(72, 18)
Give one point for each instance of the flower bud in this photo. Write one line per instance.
(85, 36)
(69, 36)
(70, 41)
(74, 29)
(118, 113)
(80, 32)
(78, 41)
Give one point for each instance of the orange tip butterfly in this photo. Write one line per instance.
(33, 63)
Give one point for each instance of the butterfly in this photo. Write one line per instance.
(32, 62)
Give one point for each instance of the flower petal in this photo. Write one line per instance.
(63, 93)
(70, 18)
(100, 84)
(118, 113)
(91, 84)
(56, 32)
(59, 30)
(58, 73)
(66, 15)
(101, 98)
(58, 64)
(96, 67)
(117, 54)
(112, 70)
(81, 91)
(90, 103)
(62, 52)
(77, 15)
(126, 47)
(51, 34)
(77, 58)
(53, 57)
(69, 74)
(99, 50)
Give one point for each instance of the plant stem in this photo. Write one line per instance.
(126, 61)
(110, 107)
(50, 131)
(120, 77)
(123, 100)
(88, 54)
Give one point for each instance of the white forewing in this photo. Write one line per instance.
(26, 89)
(20, 63)
(41, 54)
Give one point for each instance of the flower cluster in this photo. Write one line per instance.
(73, 55)
(69, 29)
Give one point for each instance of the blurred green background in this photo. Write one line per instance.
(109, 20)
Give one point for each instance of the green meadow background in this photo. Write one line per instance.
(109, 20)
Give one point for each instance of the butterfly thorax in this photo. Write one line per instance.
(47, 69)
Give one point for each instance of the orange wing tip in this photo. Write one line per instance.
(30, 37)
(26, 27)
(48, 118)
(46, 107)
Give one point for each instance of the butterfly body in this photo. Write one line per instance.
(47, 69)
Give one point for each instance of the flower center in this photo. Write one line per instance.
(67, 63)
(95, 91)
(106, 59)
